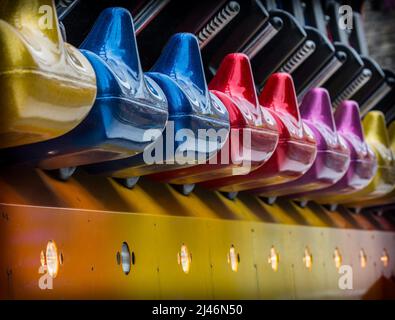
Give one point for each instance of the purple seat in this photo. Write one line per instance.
(363, 163)
(333, 157)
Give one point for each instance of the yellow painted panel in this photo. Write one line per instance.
(273, 284)
(89, 242)
(172, 234)
(302, 244)
(229, 284)
(90, 217)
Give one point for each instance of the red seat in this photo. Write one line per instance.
(253, 133)
(296, 150)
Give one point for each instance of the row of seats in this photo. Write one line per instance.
(95, 108)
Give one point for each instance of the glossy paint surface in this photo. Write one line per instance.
(363, 163)
(127, 103)
(179, 73)
(377, 137)
(296, 150)
(254, 133)
(48, 86)
(332, 160)
(390, 197)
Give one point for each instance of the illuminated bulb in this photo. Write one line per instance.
(308, 259)
(337, 257)
(125, 258)
(274, 259)
(184, 259)
(363, 258)
(385, 259)
(233, 259)
(52, 260)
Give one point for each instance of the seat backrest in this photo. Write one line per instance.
(181, 61)
(33, 17)
(317, 108)
(234, 77)
(113, 39)
(347, 119)
(279, 95)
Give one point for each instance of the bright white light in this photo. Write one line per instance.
(274, 259)
(125, 258)
(308, 259)
(52, 260)
(363, 259)
(184, 259)
(233, 259)
(337, 258)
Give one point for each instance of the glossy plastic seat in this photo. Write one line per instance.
(376, 135)
(128, 103)
(362, 165)
(296, 150)
(179, 73)
(332, 160)
(390, 197)
(254, 133)
(48, 86)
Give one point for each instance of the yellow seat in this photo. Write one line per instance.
(376, 135)
(389, 197)
(47, 85)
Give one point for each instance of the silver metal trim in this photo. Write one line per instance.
(353, 87)
(298, 57)
(375, 98)
(64, 7)
(148, 13)
(218, 22)
(322, 76)
(260, 40)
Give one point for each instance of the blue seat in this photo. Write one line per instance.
(179, 73)
(128, 103)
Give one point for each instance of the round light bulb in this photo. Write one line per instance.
(274, 259)
(233, 259)
(125, 258)
(52, 259)
(184, 259)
